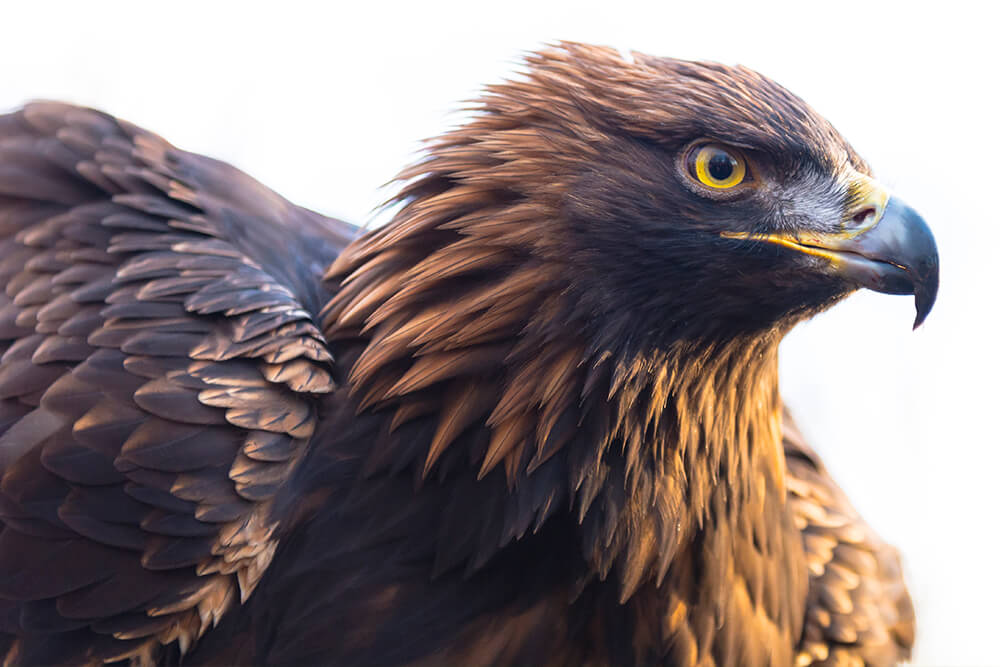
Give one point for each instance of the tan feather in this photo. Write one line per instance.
(463, 403)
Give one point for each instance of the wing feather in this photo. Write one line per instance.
(858, 609)
(160, 365)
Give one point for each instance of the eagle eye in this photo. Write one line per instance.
(717, 166)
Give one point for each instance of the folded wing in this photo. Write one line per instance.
(858, 610)
(159, 374)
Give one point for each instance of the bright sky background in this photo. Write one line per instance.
(325, 103)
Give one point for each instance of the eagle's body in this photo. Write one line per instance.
(527, 422)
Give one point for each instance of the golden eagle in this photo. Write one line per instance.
(534, 419)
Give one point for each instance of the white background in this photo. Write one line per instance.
(325, 103)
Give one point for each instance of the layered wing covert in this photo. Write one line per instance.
(858, 610)
(159, 373)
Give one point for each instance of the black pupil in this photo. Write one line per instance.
(721, 166)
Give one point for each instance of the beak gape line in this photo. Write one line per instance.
(889, 249)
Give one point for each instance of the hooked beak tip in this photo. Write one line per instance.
(925, 293)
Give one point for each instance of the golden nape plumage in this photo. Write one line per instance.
(534, 419)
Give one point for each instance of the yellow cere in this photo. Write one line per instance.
(718, 167)
(866, 202)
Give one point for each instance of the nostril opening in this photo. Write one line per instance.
(864, 216)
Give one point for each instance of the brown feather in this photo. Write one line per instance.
(463, 404)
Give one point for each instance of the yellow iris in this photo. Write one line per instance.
(718, 167)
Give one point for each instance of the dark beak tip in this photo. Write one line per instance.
(924, 296)
(904, 244)
(921, 316)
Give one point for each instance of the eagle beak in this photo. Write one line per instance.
(896, 256)
(886, 246)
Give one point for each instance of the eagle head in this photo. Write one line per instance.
(681, 199)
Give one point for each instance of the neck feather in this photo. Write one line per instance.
(460, 340)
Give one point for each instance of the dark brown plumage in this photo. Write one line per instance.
(532, 420)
